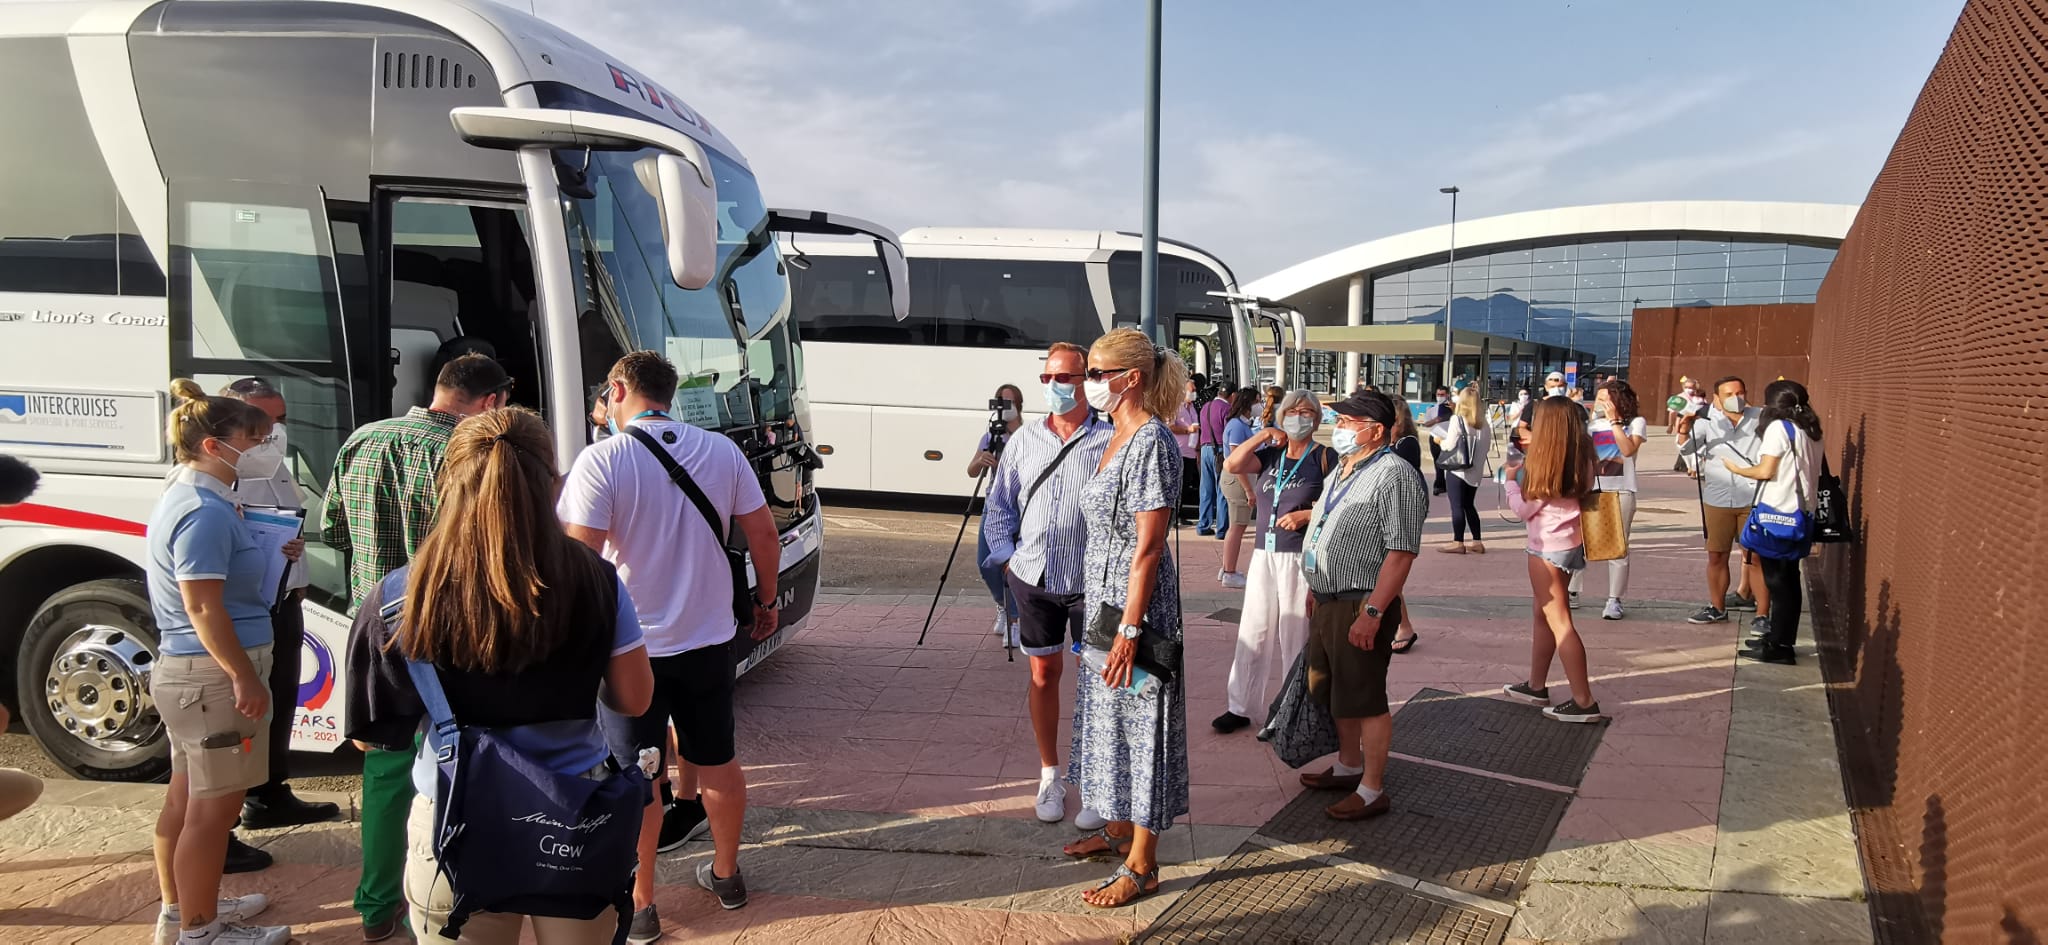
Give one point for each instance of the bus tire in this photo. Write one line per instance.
(83, 683)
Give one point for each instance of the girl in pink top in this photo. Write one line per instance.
(1545, 490)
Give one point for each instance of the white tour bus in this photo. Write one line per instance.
(900, 404)
(322, 194)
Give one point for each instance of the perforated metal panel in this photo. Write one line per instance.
(1261, 896)
(1930, 369)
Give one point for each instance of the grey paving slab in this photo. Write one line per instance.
(1465, 831)
(1784, 826)
(1228, 615)
(1744, 919)
(1628, 862)
(1260, 895)
(1494, 735)
(1553, 912)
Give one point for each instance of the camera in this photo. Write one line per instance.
(998, 425)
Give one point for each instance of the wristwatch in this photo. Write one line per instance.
(1129, 631)
(1373, 612)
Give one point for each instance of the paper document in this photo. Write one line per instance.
(272, 528)
(1441, 432)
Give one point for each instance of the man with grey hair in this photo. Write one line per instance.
(1289, 468)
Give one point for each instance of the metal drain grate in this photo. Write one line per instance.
(1495, 735)
(1258, 895)
(1464, 831)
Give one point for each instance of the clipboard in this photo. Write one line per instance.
(273, 527)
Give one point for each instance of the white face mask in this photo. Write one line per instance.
(1297, 428)
(1100, 396)
(1059, 398)
(1345, 440)
(1733, 404)
(258, 462)
(1009, 413)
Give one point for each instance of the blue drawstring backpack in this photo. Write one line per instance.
(1779, 533)
(513, 836)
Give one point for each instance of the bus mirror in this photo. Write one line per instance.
(899, 277)
(887, 246)
(689, 221)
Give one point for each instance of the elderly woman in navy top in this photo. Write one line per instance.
(1130, 751)
(211, 682)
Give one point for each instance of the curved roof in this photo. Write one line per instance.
(1792, 221)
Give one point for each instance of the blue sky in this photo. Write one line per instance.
(1291, 127)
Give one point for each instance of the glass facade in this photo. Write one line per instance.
(1580, 295)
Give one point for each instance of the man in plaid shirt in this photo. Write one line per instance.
(380, 506)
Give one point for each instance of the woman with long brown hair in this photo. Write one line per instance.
(1619, 431)
(1270, 413)
(1545, 489)
(526, 628)
(1130, 751)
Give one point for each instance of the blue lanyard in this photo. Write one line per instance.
(663, 414)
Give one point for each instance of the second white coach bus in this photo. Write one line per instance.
(321, 194)
(899, 405)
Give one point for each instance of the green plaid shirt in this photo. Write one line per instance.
(381, 503)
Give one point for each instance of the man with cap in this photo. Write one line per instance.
(1360, 544)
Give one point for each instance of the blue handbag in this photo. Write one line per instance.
(1778, 533)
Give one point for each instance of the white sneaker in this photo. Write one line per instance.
(232, 909)
(1233, 579)
(1222, 577)
(1089, 820)
(235, 933)
(1573, 603)
(1052, 799)
(1613, 611)
(1002, 624)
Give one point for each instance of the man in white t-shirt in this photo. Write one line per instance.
(677, 572)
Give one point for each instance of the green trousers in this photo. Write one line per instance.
(387, 802)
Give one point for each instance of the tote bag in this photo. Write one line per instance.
(1606, 535)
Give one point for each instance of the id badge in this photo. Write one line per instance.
(1308, 561)
(1272, 541)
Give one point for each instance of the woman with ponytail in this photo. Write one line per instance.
(527, 630)
(1130, 751)
(1789, 427)
(211, 682)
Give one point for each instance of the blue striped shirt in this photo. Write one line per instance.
(1047, 547)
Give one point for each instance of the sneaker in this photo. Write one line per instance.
(1520, 692)
(1234, 580)
(1759, 627)
(1709, 615)
(1222, 577)
(1090, 820)
(233, 909)
(1613, 609)
(1569, 711)
(1002, 624)
(731, 890)
(1052, 799)
(646, 926)
(285, 809)
(1205, 532)
(1229, 722)
(235, 933)
(243, 858)
(1573, 604)
(1761, 654)
(1739, 602)
(683, 822)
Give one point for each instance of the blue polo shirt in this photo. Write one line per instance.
(196, 534)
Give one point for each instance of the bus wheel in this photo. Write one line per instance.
(83, 682)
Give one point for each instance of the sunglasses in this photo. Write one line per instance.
(1062, 378)
(252, 385)
(1096, 374)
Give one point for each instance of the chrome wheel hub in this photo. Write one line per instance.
(98, 689)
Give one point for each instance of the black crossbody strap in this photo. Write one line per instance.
(681, 477)
(1059, 458)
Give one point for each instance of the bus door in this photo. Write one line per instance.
(1211, 345)
(457, 276)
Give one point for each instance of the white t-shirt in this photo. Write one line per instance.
(669, 560)
(1783, 492)
(1625, 480)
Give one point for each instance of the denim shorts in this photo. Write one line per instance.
(1570, 562)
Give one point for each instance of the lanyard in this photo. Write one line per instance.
(1333, 499)
(1281, 479)
(663, 414)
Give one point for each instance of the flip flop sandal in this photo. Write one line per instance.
(1140, 880)
(1118, 846)
(1403, 646)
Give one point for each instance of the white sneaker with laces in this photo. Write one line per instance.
(235, 933)
(1613, 611)
(1052, 799)
(1089, 820)
(1222, 577)
(230, 909)
(1233, 579)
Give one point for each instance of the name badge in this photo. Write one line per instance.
(1308, 561)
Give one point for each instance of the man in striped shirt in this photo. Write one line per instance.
(1035, 531)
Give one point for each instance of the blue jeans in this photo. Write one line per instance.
(992, 575)
(1215, 511)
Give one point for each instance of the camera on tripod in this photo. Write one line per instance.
(998, 425)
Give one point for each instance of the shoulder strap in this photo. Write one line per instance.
(681, 477)
(1087, 430)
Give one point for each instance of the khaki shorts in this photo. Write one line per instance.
(196, 700)
(1240, 503)
(1350, 682)
(1722, 527)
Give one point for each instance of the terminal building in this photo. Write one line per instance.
(1544, 290)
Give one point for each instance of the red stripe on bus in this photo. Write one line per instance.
(35, 514)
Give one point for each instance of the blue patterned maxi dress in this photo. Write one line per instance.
(1130, 752)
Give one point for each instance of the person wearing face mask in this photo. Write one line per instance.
(1289, 467)
(212, 676)
(380, 506)
(272, 804)
(1035, 539)
(984, 462)
(1466, 429)
(1618, 433)
(1237, 490)
(1729, 429)
(1362, 540)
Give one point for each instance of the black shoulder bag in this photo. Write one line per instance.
(742, 595)
(1831, 508)
(1156, 654)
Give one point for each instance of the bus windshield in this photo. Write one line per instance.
(625, 299)
(972, 303)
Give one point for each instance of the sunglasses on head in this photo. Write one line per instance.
(251, 385)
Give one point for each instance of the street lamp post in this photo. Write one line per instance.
(1450, 282)
(1148, 266)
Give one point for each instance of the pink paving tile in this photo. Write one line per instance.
(1046, 928)
(781, 919)
(977, 759)
(1697, 785)
(1605, 820)
(912, 699)
(1232, 806)
(1013, 797)
(940, 925)
(913, 726)
(881, 755)
(937, 658)
(863, 791)
(1240, 764)
(1701, 750)
(941, 794)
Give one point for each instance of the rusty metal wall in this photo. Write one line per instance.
(1758, 343)
(1930, 369)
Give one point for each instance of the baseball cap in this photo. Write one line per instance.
(1557, 376)
(1367, 405)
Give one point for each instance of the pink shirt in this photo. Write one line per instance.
(1553, 523)
(1188, 416)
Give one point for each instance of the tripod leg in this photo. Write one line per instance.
(965, 515)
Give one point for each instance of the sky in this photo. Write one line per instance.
(1290, 128)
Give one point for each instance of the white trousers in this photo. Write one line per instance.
(1617, 570)
(1273, 630)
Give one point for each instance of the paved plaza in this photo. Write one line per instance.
(891, 790)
